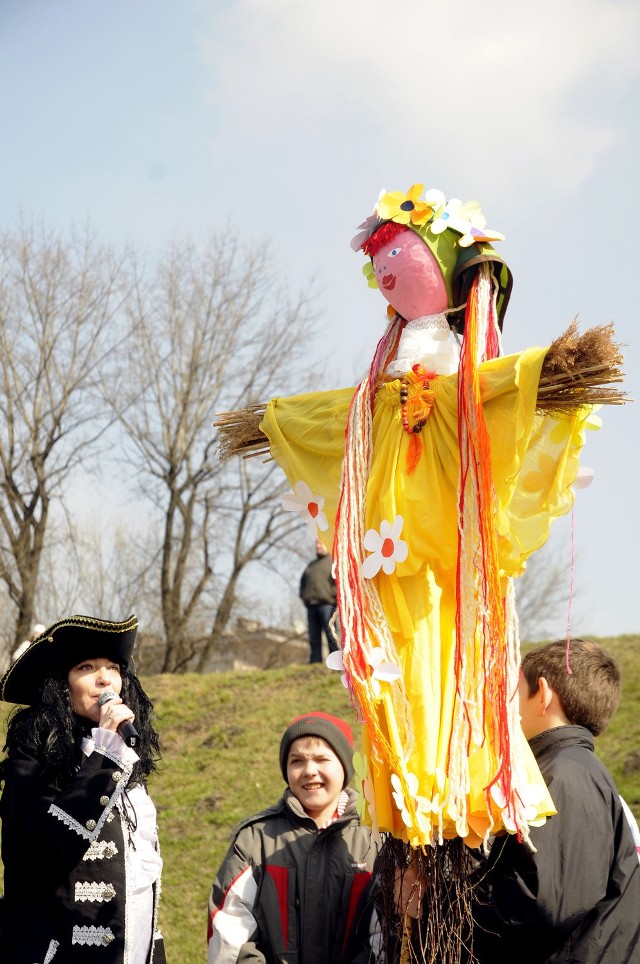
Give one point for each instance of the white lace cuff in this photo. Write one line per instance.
(111, 743)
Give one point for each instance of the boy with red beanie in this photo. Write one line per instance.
(295, 883)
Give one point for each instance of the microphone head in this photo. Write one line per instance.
(105, 696)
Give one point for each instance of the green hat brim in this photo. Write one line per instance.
(469, 260)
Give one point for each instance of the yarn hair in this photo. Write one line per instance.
(362, 618)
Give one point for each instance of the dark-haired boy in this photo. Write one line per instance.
(295, 883)
(576, 897)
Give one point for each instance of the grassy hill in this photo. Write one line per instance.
(220, 735)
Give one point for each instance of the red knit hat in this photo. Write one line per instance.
(336, 732)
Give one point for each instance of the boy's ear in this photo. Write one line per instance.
(546, 694)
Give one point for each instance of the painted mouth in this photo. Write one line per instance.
(389, 282)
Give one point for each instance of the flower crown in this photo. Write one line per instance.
(432, 213)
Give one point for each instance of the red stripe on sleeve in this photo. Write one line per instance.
(359, 883)
(279, 875)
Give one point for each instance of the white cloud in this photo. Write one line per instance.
(487, 93)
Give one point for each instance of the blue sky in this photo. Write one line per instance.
(284, 118)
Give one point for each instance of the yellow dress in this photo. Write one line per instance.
(534, 461)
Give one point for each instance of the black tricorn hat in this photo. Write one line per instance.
(64, 645)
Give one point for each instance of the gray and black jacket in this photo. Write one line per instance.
(289, 892)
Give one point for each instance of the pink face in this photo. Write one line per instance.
(409, 277)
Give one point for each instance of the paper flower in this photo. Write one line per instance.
(435, 199)
(364, 789)
(477, 235)
(405, 208)
(467, 219)
(307, 505)
(382, 671)
(543, 476)
(369, 272)
(451, 216)
(432, 212)
(386, 548)
(584, 477)
(334, 661)
(476, 229)
(421, 805)
(364, 786)
(365, 230)
(531, 795)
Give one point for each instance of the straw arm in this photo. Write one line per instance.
(577, 370)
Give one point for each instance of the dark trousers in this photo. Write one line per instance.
(319, 617)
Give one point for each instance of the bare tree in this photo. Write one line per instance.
(210, 330)
(543, 594)
(59, 298)
(259, 531)
(89, 567)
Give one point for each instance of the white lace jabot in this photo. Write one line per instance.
(426, 341)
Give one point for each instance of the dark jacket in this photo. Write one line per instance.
(576, 900)
(64, 850)
(287, 891)
(317, 585)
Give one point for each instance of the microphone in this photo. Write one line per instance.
(126, 729)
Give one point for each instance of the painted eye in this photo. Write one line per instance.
(394, 252)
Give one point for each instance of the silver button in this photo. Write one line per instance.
(107, 938)
(116, 776)
(108, 892)
(104, 800)
(90, 825)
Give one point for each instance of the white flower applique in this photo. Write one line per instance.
(383, 670)
(421, 805)
(531, 795)
(386, 548)
(334, 661)
(308, 506)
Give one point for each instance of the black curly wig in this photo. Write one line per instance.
(55, 731)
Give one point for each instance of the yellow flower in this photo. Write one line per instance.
(543, 478)
(405, 208)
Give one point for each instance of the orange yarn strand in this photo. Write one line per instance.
(481, 664)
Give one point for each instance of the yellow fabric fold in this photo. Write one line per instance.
(534, 463)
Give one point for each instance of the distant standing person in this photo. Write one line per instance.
(318, 593)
